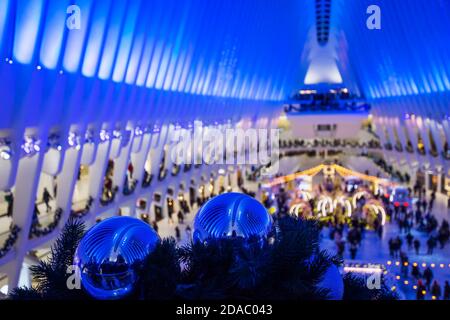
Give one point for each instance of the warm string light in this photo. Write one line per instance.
(315, 170)
(415, 264)
(406, 282)
(362, 270)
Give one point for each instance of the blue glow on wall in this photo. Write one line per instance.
(53, 33)
(409, 55)
(28, 20)
(126, 41)
(112, 40)
(136, 53)
(235, 49)
(4, 8)
(75, 39)
(94, 43)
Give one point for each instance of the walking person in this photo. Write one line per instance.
(446, 290)
(180, 217)
(177, 233)
(431, 243)
(47, 197)
(188, 231)
(417, 245)
(431, 203)
(421, 290)
(443, 234)
(424, 205)
(9, 198)
(131, 170)
(170, 213)
(55, 186)
(415, 272)
(409, 240)
(428, 275)
(35, 219)
(155, 226)
(436, 290)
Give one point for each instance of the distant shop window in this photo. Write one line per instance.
(432, 182)
(443, 184)
(326, 127)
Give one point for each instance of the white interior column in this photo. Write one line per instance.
(139, 160)
(25, 194)
(96, 176)
(66, 181)
(121, 166)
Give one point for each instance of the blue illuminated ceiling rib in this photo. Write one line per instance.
(96, 38)
(234, 49)
(4, 9)
(28, 21)
(406, 57)
(75, 39)
(112, 39)
(126, 41)
(53, 34)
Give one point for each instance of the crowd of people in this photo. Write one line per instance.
(337, 100)
(414, 223)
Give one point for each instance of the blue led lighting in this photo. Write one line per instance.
(409, 55)
(249, 50)
(233, 49)
(28, 21)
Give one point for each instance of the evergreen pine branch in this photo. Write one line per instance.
(24, 293)
(160, 272)
(289, 269)
(355, 288)
(51, 276)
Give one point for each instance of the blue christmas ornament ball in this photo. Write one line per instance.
(231, 215)
(332, 280)
(110, 253)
